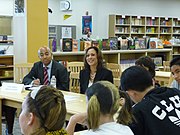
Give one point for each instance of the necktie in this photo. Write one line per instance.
(46, 81)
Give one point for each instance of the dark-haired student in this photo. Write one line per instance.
(175, 70)
(148, 64)
(103, 102)
(94, 69)
(157, 110)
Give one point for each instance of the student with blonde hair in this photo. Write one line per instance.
(43, 112)
(103, 103)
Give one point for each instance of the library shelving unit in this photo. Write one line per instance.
(176, 27)
(139, 26)
(176, 50)
(115, 56)
(165, 28)
(6, 67)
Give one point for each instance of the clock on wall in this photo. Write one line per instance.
(65, 5)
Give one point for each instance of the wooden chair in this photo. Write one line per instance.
(115, 68)
(20, 70)
(75, 66)
(171, 79)
(166, 66)
(74, 85)
(117, 82)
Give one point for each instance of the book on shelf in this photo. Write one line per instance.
(123, 44)
(75, 45)
(67, 44)
(142, 43)
(157, 61)
(87, 44)
(153, 43)
(159, 44)
(95, 43)
(113, 43)
(105, 44)
(53, 44)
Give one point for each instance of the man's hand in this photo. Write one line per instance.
(36, 82)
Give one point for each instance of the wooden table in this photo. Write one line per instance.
(163, 77)
(0, 116)
(75, 103)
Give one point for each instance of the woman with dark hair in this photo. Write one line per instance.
(94, 69)
(103, 103)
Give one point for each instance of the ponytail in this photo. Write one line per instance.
(93, 112)
(125, 115)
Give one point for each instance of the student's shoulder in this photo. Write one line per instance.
(142, 105)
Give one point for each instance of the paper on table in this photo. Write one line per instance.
(70, 97)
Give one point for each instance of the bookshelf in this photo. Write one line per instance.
(176, 27)
(127, 57)
(6, 67)
(138, 26)
(176, 50)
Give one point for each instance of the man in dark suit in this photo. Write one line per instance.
(36, 75)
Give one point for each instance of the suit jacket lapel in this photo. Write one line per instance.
(52, 69)
(41, 73)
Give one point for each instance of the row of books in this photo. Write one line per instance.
(121, 21)
(151, 21)
(158, 61)
(136, 21)
(128, 63)
(150, 30)
(137, 30)
(122, 29)
(165, 22)
(113, 43)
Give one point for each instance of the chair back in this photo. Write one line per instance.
(115, 68)
(21, 70)
(171, 79)
(166, 66)
(74, 85)
(117, 82)
(75, 66)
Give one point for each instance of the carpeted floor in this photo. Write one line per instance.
(16, 129)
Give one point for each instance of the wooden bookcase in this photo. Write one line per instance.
(176, 50)
(139, 26)
(176, 27)
(116, 56)
(6, 67)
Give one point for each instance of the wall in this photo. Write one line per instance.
(100, 9)
(6, 7)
